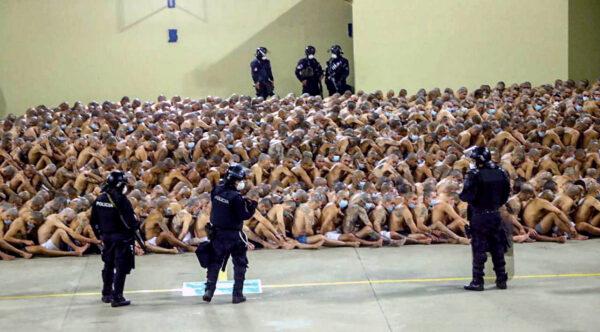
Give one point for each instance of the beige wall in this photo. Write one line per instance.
(450, 43)
(584, 39)
(55, 50)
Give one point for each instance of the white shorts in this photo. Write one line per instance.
(187, 239)
(49, 245)
(386, 235)
(152, 241)
(333, 235)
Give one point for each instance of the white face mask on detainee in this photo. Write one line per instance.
(241, 185)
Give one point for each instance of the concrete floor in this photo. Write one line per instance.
(305, 290)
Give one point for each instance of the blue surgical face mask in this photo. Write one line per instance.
(491, 111)
(585, 98)
(361, 166)
(191, 145)
(7, 222)
(343, 204)
(414, 137)
(388, 114)
(361, 184)
(497, 130)
(578, 107)
(230, 146)
(335, 159)
(541, 133)
(538, 107)
(389, 209)
(221, 122)
(412, 205)
(433, 113)
(434, 202)
(369, 206)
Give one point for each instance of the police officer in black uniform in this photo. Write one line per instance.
(486, 189)
(309, 72)
(262, 76)
(229, 210)
(114, 222)
(337, 71)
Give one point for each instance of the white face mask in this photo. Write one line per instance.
(241, 185)
(124, 190)
(310, 56)
(264, 57)
(334, 56)
(343, 203)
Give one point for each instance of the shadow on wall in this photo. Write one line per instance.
(285, 38)
(3, 110)
(123, 25)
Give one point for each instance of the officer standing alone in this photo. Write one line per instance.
(262, 76)
(486, 189)
(309, 72)
(229, 210)
(337, 71)
(114, 222)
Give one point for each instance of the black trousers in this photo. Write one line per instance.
(338, 87)
(228, 243)
(119, 259)
(265, 90)
(488, 235)
(313, 88)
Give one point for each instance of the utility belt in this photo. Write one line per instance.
(477, 212)
(118, 237)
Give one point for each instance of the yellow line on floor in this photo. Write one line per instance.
(311, 284)
(421, 280)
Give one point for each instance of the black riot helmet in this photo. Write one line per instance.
(336, 49)
(310, 50)
(235, 173)
(261, 52)
(480, 154)
(116, 180)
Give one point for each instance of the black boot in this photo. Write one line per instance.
(119, 301)
(501, 281)
(475, 285)
(238, 290)
(209, 291)
(238, 298)
(107, 298)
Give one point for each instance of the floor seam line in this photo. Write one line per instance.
(387, 322)
(75, 292)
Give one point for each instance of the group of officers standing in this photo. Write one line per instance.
(486, 189)
(308, 71)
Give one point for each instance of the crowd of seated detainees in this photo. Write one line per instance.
(368, 169)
